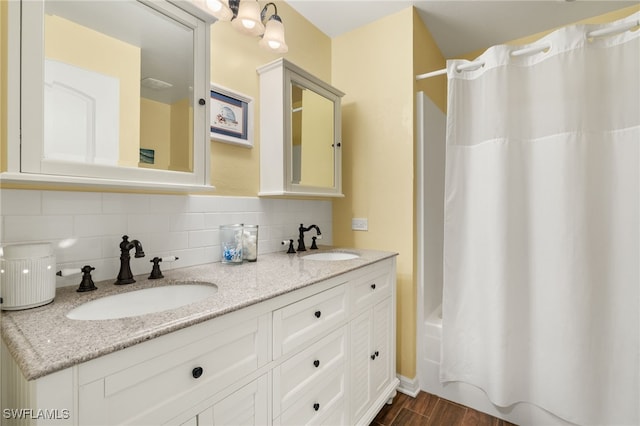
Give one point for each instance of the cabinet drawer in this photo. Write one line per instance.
(303, 321)
(305, 370)
(317, 404)
(370, 289)
(163, 383)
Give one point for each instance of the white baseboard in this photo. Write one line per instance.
(408, 386)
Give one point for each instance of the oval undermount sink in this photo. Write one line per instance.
(331, 255)
(141, 302)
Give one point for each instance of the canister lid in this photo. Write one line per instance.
(27, 251)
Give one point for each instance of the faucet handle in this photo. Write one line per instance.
(313, 242)
(87, 283)
(290, 242)
(156, 273)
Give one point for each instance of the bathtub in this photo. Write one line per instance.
(463, 393)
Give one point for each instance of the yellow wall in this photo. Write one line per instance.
(181, 159)
(234, 59)
(97, 52)
(317, 149)
(155, 132)
(427, 57)
(373, 65)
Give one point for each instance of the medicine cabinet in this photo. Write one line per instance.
(300, 133)
(108, 93)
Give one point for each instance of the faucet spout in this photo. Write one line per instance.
(302, 230)
(125, 276)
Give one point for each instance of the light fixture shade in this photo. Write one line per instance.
(273, 38)
(248, 19)
(220, 9)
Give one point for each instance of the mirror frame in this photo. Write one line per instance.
(25, 111)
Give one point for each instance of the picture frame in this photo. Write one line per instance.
(231, 119)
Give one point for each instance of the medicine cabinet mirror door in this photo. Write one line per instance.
(315, 138)
(114, 90)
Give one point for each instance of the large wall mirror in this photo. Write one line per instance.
(112, 90)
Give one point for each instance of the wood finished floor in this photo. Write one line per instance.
(430, 410)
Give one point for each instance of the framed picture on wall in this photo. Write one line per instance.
(231, 116)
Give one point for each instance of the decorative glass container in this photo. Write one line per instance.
(231, 243)
(250, 243)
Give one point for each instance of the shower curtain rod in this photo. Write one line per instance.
(535, 49)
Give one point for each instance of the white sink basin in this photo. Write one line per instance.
(331, 255)
(141, 302)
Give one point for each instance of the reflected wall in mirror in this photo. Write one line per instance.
(119, 81)
(312, 137)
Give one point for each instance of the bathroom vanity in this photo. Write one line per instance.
(284, 341)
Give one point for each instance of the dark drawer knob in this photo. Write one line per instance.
(202, 102)
(373, 286)
(317, 314)
(316, 363)
(316, 406)
(197, 372)
(377, 353)
(373, 356)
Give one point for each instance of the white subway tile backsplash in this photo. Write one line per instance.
(147, 223)
(125, 203)
(100, 224)
(186, 222)
(204, 238)
(61, 202)
(16, 202)
(87, 227)
(37, 228)
(79, 249)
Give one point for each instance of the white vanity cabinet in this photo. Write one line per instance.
(300, 133)
(320, 355)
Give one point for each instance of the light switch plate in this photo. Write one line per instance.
(360, 224)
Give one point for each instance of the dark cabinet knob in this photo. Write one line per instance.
(316, 363)
(197, 372)
(202, 102)
(373, 286)
(377, 353)
(317, 314)
(316, 406)
(373, 356)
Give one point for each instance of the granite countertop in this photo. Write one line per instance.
(43, 340)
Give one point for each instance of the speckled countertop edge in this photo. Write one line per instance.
(43, 340)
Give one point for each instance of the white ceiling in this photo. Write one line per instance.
(458, 26)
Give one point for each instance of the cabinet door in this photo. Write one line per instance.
(360, 364)
(248, 407)
(381, 368)
(371, 359)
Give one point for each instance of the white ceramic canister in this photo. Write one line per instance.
(27, 276)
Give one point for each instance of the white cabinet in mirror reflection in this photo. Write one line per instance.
(300, 128)
(81, 114)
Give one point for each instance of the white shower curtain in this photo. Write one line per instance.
(541, 263)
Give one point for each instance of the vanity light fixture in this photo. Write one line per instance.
(246, 17)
